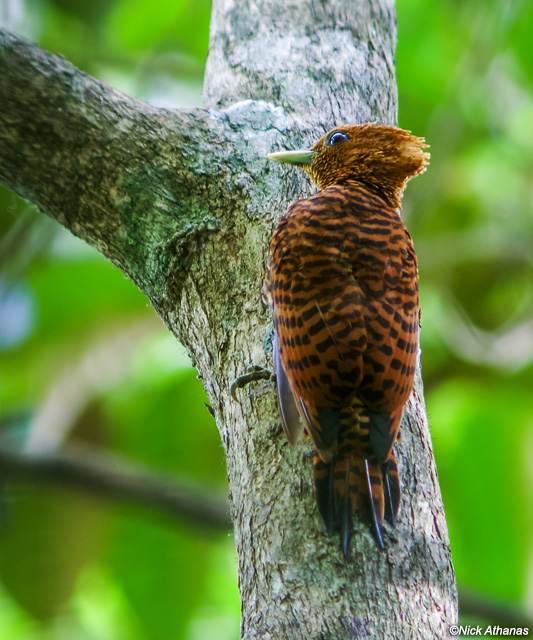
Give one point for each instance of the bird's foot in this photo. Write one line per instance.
(253, 372)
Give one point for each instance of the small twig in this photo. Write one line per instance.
(111, 478)
(492, 611)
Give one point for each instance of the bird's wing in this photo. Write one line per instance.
(392, 319)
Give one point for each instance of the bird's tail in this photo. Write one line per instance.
(348, 484)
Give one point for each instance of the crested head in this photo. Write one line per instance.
(383, 157)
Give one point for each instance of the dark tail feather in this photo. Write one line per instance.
(333, 496)
(345, 515)
(391, 486)
(341, 487)
(375, 492)
(325, 499)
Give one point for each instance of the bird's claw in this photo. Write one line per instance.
(254, 372)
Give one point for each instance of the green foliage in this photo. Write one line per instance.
(498, 469)
(74, 567)
(465, 82)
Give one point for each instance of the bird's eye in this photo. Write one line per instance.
(335, 138)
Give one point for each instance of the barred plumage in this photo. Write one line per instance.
(343, 288)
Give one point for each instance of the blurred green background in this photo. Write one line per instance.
(83, 359)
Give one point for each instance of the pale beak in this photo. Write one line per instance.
(301, 156)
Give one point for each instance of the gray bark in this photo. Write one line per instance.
(184, 202)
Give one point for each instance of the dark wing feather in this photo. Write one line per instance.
(290, 417)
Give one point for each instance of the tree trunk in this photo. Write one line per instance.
(184, 202)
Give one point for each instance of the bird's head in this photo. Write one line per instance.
(380, 156)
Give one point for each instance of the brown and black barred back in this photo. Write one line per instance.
(343, 288)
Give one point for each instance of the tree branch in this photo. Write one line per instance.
(481, 607)
(185, 203)
(96, 160)
(145, 186)
(111, 478)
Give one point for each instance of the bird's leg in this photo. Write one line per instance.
(253, 372)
